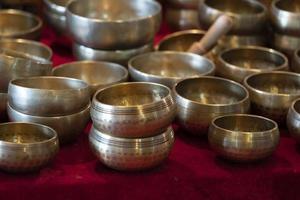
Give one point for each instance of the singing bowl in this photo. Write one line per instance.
(199, 100)
(26, 146)
(3, 102)
(68, 127)
(182, 19)
(131, 154)
(48, 96)
(296, 62)
(286, 44)
(57, 21)
(183, 4)
(169, 67)
(133, 110)
(19, 24)
(97, 74)
(116, 56)
(110, 25)
(249, 17)
(242, 137)
(56, 6)
(272, 93)
(293, 119)
(237, 63)
(285, 17)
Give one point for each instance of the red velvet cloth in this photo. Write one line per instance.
(193, 171)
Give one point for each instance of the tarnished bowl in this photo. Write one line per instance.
(133, 110)
(19, 24)
(182, 19)
(117, 56)
(199, 100)
(68, 127)
(296, 62)
(249, 16)
(293, 119)
(184, 4)
(167, 67)
(97, 74)
(131, 154)
(26, 146)
(237, 63)
(272, 93)
(286, 44)
(285, 17)
(110, 25)
(243, 137)
(3, 102)
(48, 95)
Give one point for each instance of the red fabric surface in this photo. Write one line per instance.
(192, 171)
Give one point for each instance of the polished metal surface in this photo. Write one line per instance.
(48, 95)
(285, 17)
(133, 110)
(243, 137)
(131, 154)
(293, 120)
(111, 25)
(3, 102)
(68, 127)
(19, 24)
(295, 66)
(26, 146)
(117, 56)
(272, 93)
(56, 6)
(249, 16)
(169, 67)
(97, 74)
(199, 100)
(286, 44)
(183, 4)
(182, 19)
(237, 63)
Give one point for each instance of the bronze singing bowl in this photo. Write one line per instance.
(293, 119)
(182, 19)
(296, 62)
(243, 137)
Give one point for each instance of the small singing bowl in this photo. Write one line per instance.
(19, 24)
(116, 56)
(243, 138)
(26, 146)
(248, 16)
(169, 67)
(110, 25)
(97, 74)
(272, 93)
(296, 62)
(293, 120)
(199, 100)
(184, 4)
(48, 95)
(182, 19)
(131, 154)
(237, 63)
(3, 102)
(286, 44)
(68, 127)
(133, 110)
(285, 17)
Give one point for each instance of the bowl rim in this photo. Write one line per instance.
(55, 7)
(30, 144)
(38, 20)
(253, 89)
(275, 9)
(69, 12)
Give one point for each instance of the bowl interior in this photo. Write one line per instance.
(24, 133)
(290, 6)
(92, 73)
(173, 65)
(132, 94)
(276, 83)
(253, 59)
(236, 6)
(240, 123)
(211, 91)
(117, 10)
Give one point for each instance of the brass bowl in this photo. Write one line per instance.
(26, 146)
(133, 110)
(199, 100)
(286, 44)
(169, 67)
(272, 93)
(68, 127)
(97, 74)
(19, 24)
(293, 119)
(237, 63)
(242, 137)
(295, 67)
(131, 154)
(48, 95)
(183, 4)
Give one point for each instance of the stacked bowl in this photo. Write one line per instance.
(58, 102)
(112, 30)
(131, 125)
